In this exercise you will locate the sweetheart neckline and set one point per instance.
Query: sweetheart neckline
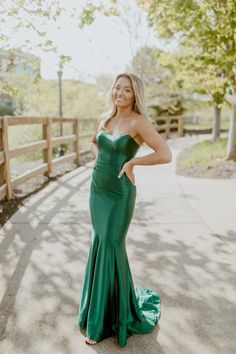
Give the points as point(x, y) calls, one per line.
point(119, 136)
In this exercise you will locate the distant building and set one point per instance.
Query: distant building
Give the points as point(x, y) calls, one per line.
point(15, 62)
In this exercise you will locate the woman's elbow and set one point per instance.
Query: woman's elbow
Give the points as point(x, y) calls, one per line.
point(167, 156)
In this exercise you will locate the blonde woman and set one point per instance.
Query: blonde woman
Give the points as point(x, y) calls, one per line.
point(110, 304)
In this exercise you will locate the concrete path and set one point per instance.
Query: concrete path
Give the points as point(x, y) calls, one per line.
point(181, 242)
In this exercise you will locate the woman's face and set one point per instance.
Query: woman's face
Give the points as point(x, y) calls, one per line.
point(123, 93)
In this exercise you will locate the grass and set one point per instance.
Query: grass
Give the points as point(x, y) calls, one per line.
point(204, 152)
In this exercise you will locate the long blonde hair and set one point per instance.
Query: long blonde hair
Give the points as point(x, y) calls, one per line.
point(139, 100)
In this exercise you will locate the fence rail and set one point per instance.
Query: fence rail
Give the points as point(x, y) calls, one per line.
point(46, 145)
point(163, 124)
point(167, 124)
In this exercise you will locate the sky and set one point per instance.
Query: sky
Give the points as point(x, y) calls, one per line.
point(106, 46)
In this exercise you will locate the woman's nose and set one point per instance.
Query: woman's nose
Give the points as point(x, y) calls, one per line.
point(120, 92)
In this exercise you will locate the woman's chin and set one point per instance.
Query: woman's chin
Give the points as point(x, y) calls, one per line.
point(122, 104)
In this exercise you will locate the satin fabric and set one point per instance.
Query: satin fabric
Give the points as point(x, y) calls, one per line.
point(110, 304)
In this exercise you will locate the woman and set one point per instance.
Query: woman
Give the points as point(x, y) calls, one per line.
point(110, 303)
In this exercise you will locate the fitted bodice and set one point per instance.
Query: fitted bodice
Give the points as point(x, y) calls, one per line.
point(115, 150)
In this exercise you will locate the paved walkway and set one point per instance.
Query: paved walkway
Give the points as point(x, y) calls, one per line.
point(181, 242)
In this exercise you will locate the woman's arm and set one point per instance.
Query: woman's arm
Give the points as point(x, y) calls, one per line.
point(93, 143)
point(162, 154)
point(94, 149)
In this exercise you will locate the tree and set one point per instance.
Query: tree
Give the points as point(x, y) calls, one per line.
point(190, 73)
point(23, 15)
point(162, 98)
point(210, 26)
point(42, 98)
point(145, 64)
point(132, 18)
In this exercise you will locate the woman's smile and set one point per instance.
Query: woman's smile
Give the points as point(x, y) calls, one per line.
point(119, 99)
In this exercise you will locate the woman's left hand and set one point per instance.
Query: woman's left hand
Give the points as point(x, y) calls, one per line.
point(128, 169)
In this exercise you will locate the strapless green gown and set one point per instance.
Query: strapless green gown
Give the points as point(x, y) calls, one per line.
point(110, 304)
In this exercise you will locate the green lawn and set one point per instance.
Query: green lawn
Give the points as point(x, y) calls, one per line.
point(203, 153)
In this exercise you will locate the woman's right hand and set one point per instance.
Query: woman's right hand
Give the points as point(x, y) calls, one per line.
point(128, 170)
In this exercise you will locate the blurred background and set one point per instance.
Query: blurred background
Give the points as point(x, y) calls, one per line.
point(58, 59)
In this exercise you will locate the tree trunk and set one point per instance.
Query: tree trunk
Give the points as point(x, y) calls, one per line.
point(231, 146)
point(216, 123)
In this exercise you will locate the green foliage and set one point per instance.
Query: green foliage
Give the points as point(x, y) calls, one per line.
point(64, 59)
point(146, 65)
point(87, 16)
point(16, 77)
point(79, 99)
point(194, 76)
point(208, 26)
point(13, 86)
point(206, 35)
point(161, 97)
point(25, 14)
point(6, 110)
point(7, 88)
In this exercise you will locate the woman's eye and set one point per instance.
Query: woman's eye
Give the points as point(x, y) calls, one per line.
point(118, 88)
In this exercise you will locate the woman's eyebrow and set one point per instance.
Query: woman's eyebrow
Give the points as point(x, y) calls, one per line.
point(124, 86)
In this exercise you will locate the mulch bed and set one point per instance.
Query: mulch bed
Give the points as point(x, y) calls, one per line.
point(218, 168)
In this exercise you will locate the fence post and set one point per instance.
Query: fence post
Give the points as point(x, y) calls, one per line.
point(7, 173)
point(181, 126)
point(167, 131)
point(2, 177)
point(47, 153)
point(76, 131)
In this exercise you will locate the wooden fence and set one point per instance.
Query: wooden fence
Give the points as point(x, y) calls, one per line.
point(168, 124)
point(48, 142)
point(46, 145)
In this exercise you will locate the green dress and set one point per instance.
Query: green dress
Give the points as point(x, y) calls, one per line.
point(110, 304)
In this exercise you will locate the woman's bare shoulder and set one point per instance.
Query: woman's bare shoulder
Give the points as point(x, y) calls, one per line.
point(138, 124)
point(141, 121)
point(135, 117)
